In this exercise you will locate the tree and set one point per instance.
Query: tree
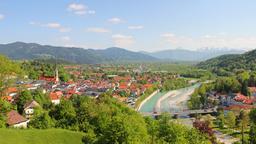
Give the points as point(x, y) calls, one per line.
point(152, 126)
point(243, 123)
point(41, 120)
point(90, 137)
point(2, 121)
point(5, 106)
point(24, 97)
point(64, 114)
point(230, 119)
point(41, 98)
point(252, 134)
point(245, 90)
point(8, 69)
point(221, 120)
point(252, 116)
point(204, 127)
point(194, 102)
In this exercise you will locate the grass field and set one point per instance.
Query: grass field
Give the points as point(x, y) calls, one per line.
point(33, 136)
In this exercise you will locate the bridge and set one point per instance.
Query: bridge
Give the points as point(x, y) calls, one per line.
point(182, 112)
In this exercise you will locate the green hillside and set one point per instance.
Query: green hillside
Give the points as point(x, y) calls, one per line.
point(27, 51)
point(225, 64)
point(33, 136)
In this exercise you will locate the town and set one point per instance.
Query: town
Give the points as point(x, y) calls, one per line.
point(44, 85)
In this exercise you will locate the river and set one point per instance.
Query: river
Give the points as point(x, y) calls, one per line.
point(172, 101)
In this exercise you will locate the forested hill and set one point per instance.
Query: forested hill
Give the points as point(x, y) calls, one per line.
point(231, 63)
point(20, 50)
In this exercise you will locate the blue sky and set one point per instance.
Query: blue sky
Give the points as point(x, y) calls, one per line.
point(137, 25)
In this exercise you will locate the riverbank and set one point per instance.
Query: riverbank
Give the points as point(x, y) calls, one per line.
point(146, 99)
point(167, 95)
point(163, 101)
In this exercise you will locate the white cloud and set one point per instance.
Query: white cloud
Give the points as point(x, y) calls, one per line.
point(80, 9)
point(115, 20)
point(98, 30)
point(137, 27)
point(1, 16)
point(122, 40)
point(52, 25)
point(211, 41)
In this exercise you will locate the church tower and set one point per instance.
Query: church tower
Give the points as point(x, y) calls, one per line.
point(56, 75)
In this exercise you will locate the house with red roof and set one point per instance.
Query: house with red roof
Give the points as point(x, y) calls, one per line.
point(14, 119)
point(8, 98)
point(240, 97)
point(55, 97)
point(11, 91)
point(248, 101)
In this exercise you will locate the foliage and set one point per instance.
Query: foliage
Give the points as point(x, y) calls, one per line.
point(203, 127)
point(24, 97)
point(230, 119)
point(41, 120)
point(172, 84)
point(227, 84)
point(221, 120)
point(64, 114)
point(227, 65)
point(41, 98)
point(199, 97)
point(37, 68)
point(243, 123)
point(252, 134)
point(252, 116)
point(8, 69)
point(171, 132)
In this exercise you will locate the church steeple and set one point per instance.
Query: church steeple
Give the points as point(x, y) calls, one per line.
point(56, 74)
point(56, 71)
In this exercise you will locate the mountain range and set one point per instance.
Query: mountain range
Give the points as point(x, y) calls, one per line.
point(192, 55)
point(22, 51)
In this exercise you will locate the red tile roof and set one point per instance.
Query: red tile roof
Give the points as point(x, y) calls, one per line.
point(240, 97)
point(56, 95)
point(233, 107)
point(11, 90)
point(248, 101)
point(48, 78)
point(7, 98)
point(14, 117)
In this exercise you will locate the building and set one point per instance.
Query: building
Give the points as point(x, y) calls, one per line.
point(29, 108)
point(14, 119)
point(55, 97)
